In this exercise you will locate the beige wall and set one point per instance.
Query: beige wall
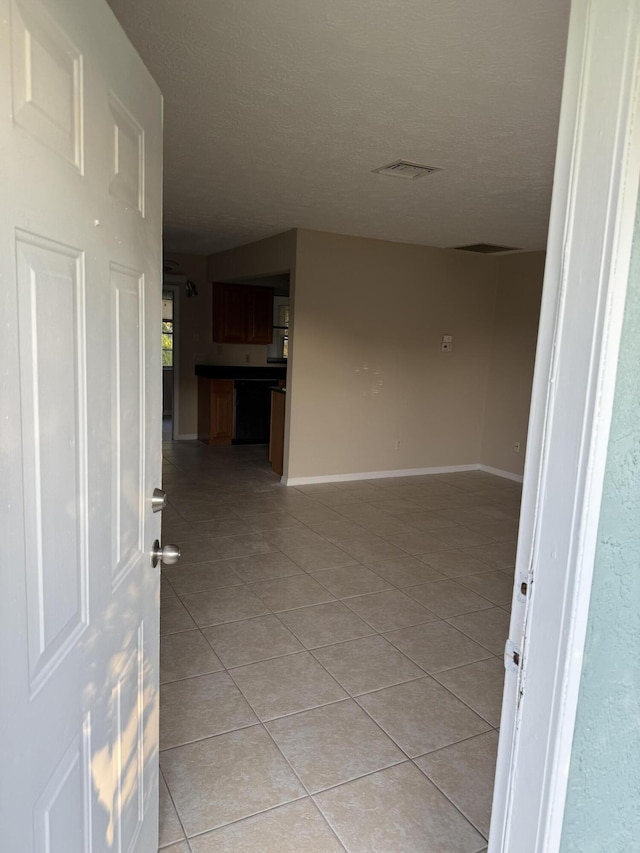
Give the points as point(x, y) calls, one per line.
point(266, 257)
point(192, 330)
point(367, 369)
point(515, 332)
point(195, 345)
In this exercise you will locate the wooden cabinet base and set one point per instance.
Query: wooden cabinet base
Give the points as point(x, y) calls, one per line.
point(215, 411)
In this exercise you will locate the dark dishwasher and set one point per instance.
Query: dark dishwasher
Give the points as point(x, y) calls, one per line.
point(253, 402)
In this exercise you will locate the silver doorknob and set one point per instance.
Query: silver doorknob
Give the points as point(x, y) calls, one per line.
point(158, 500)
point(168, 554)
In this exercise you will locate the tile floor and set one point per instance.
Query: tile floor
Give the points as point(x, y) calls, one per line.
point(331, 670)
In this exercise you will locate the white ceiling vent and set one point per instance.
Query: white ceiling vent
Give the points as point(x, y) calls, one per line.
point(406, 170)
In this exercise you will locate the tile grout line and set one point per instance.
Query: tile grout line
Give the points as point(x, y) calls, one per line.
point(343, 602)
point(160, 773)
point(376, 633)
point(444, 794)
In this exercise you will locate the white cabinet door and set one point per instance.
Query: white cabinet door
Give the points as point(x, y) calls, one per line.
point(80, 290)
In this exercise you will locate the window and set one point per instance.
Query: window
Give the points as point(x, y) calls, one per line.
point(167, 328)
point(279, 349)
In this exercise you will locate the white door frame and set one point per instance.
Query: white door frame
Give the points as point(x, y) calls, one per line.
point(590, 237)
point(177, 284)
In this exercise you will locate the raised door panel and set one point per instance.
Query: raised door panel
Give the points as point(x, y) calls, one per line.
point(62, 814)
point(46, 81)
point(128, 392)
point(229, 313)
point(51, 322)
point(127, 157)
point(259, 315)
point(130, 714)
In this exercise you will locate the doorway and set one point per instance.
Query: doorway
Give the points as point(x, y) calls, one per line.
point(170, 316)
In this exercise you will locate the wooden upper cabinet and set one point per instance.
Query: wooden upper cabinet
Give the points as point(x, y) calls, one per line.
point(229, 313)
point(260, 315)
point(242, 314)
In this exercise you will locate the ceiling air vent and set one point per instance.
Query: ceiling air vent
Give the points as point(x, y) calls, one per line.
point(406, 170)
point(485, 248)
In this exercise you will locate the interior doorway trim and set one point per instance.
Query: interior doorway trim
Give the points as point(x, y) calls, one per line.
point(175, 283)
point(590, 237)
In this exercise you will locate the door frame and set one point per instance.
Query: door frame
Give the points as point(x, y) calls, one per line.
point(590, 239)
point(177, 284)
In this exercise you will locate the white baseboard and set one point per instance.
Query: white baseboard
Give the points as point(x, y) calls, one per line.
point(402, 472)
point(187, 436)
point(375, 475)
point(517, 478)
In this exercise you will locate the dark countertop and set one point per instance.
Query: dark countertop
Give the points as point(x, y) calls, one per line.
point(248, 371)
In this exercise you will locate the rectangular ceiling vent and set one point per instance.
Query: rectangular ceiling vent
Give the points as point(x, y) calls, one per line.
point(485, 248)
point(406, 170)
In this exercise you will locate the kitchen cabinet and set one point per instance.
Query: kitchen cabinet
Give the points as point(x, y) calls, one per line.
point(242, 314)
point(252, 411)
point(215, 410)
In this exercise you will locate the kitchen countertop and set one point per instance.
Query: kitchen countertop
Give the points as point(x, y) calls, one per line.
point(244, 371)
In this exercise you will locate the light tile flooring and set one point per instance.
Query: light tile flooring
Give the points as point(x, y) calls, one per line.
point(330, 658)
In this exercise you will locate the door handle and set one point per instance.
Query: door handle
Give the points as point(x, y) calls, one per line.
point(167, 554)
point(158, 500)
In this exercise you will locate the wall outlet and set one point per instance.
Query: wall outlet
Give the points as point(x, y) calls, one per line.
point(397, 444)
point(446, 346)
point(516, 447)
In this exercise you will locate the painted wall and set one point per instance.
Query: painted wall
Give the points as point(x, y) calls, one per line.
point(192, 332)
point(195, 344)
point(514, 335)
point(367, 370)
point(265, 257)
point(261, 259)
point(603, 802)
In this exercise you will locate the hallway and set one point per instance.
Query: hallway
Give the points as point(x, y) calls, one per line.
point(331, 657)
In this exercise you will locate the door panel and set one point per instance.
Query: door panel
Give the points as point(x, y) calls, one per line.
point(127, 156)
point(128, 757)
point(80, 294)
point(127, 319)
point(46, 70)
point(50, 284)
point(62, 813)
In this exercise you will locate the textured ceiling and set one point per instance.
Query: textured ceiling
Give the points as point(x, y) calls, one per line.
point(276, 111)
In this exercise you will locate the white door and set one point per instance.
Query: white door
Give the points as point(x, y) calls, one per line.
point(80, 279)
point(590, 234)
